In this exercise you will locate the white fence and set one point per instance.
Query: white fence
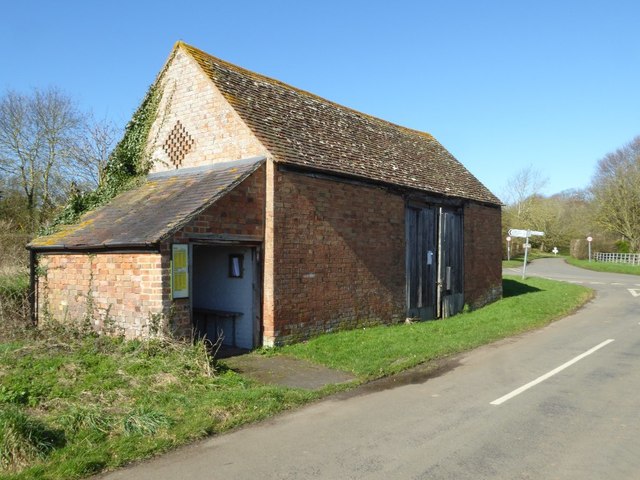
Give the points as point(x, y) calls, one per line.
point(629, 258)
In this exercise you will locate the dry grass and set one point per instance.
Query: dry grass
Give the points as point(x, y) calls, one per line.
point(15, 319)
point(14, 257)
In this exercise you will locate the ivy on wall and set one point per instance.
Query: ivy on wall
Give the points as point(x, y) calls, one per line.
point(128, 164)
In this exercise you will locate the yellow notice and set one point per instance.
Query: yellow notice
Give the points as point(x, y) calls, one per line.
point(180, 270)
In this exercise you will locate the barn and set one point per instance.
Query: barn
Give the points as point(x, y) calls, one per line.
point(270, 215)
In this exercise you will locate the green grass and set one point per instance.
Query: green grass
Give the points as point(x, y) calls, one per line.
point(375, 352)
point(514, 263)
point(604, 267)
point(73, 405)
point(23, 438)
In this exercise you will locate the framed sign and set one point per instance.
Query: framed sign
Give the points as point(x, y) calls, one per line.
point(236, 269)
point(180, 270)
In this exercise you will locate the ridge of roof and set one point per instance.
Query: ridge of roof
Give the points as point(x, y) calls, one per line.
point(195, 50)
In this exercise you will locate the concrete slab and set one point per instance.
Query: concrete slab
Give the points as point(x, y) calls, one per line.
point(286, 371)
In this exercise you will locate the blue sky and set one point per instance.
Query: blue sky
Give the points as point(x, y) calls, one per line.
point(503, 85)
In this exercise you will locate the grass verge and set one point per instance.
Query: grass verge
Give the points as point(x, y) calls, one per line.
point(375, 352)
point(74, 405)
point(604, 267)
point(515, 263)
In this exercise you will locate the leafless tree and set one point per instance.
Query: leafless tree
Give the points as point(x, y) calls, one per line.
point(616, 192)
point(521, 194)
point(37, 137)
point(48, 144)
point(93, 148)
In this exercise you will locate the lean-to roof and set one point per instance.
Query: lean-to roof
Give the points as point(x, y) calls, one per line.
point(145, 215)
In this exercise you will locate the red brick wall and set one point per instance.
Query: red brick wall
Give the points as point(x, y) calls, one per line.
point(239, 212)
point(483, 254)
point(338, 257)
point(123, 288)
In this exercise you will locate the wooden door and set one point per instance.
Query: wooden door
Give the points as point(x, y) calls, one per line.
point(421, 262)
point(451, 262)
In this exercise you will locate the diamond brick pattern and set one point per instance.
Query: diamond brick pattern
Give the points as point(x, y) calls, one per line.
point(178, 144)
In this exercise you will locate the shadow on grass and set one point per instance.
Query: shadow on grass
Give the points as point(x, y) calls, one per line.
point(513, 288)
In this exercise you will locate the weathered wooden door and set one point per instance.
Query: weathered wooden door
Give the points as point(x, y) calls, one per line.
point(421, 261)
point(450, 263)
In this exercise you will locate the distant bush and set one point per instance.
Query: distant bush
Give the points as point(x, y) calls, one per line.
point(622, 246)
point(580, 247)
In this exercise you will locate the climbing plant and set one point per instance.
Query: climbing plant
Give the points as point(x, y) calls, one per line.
point(128, 164)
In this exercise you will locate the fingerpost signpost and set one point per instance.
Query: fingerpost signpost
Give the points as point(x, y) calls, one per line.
point(514, 232)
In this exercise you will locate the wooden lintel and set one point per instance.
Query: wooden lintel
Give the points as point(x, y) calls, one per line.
point(421, 200)
point(224, 238)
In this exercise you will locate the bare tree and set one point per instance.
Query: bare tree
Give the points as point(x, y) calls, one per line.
point(46, 143)
point(36, 138)
point(93, 148)
point(616, 192)
point(521, 193)
point(524, 201)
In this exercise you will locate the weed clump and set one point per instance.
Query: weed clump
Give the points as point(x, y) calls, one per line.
point(145, 421)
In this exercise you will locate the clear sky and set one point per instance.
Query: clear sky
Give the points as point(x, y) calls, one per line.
point(501, 84)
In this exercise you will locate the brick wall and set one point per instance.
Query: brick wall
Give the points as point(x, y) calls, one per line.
point(214, 131)
point(338, 258)
point(483, 254)
point(122, 288)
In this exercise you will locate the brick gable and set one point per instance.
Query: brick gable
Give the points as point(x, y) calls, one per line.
point(195, 125)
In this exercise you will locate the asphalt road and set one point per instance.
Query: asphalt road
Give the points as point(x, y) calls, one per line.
point(559, 403)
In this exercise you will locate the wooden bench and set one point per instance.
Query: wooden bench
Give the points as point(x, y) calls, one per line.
point(203, 317)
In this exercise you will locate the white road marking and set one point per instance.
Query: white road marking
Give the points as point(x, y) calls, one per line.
point(634, 291)
point(617, 284)
point(596, 283)
point(550, 374)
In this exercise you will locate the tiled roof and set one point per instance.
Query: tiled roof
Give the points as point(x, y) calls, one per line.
point(303, 129)
point(145, 215)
